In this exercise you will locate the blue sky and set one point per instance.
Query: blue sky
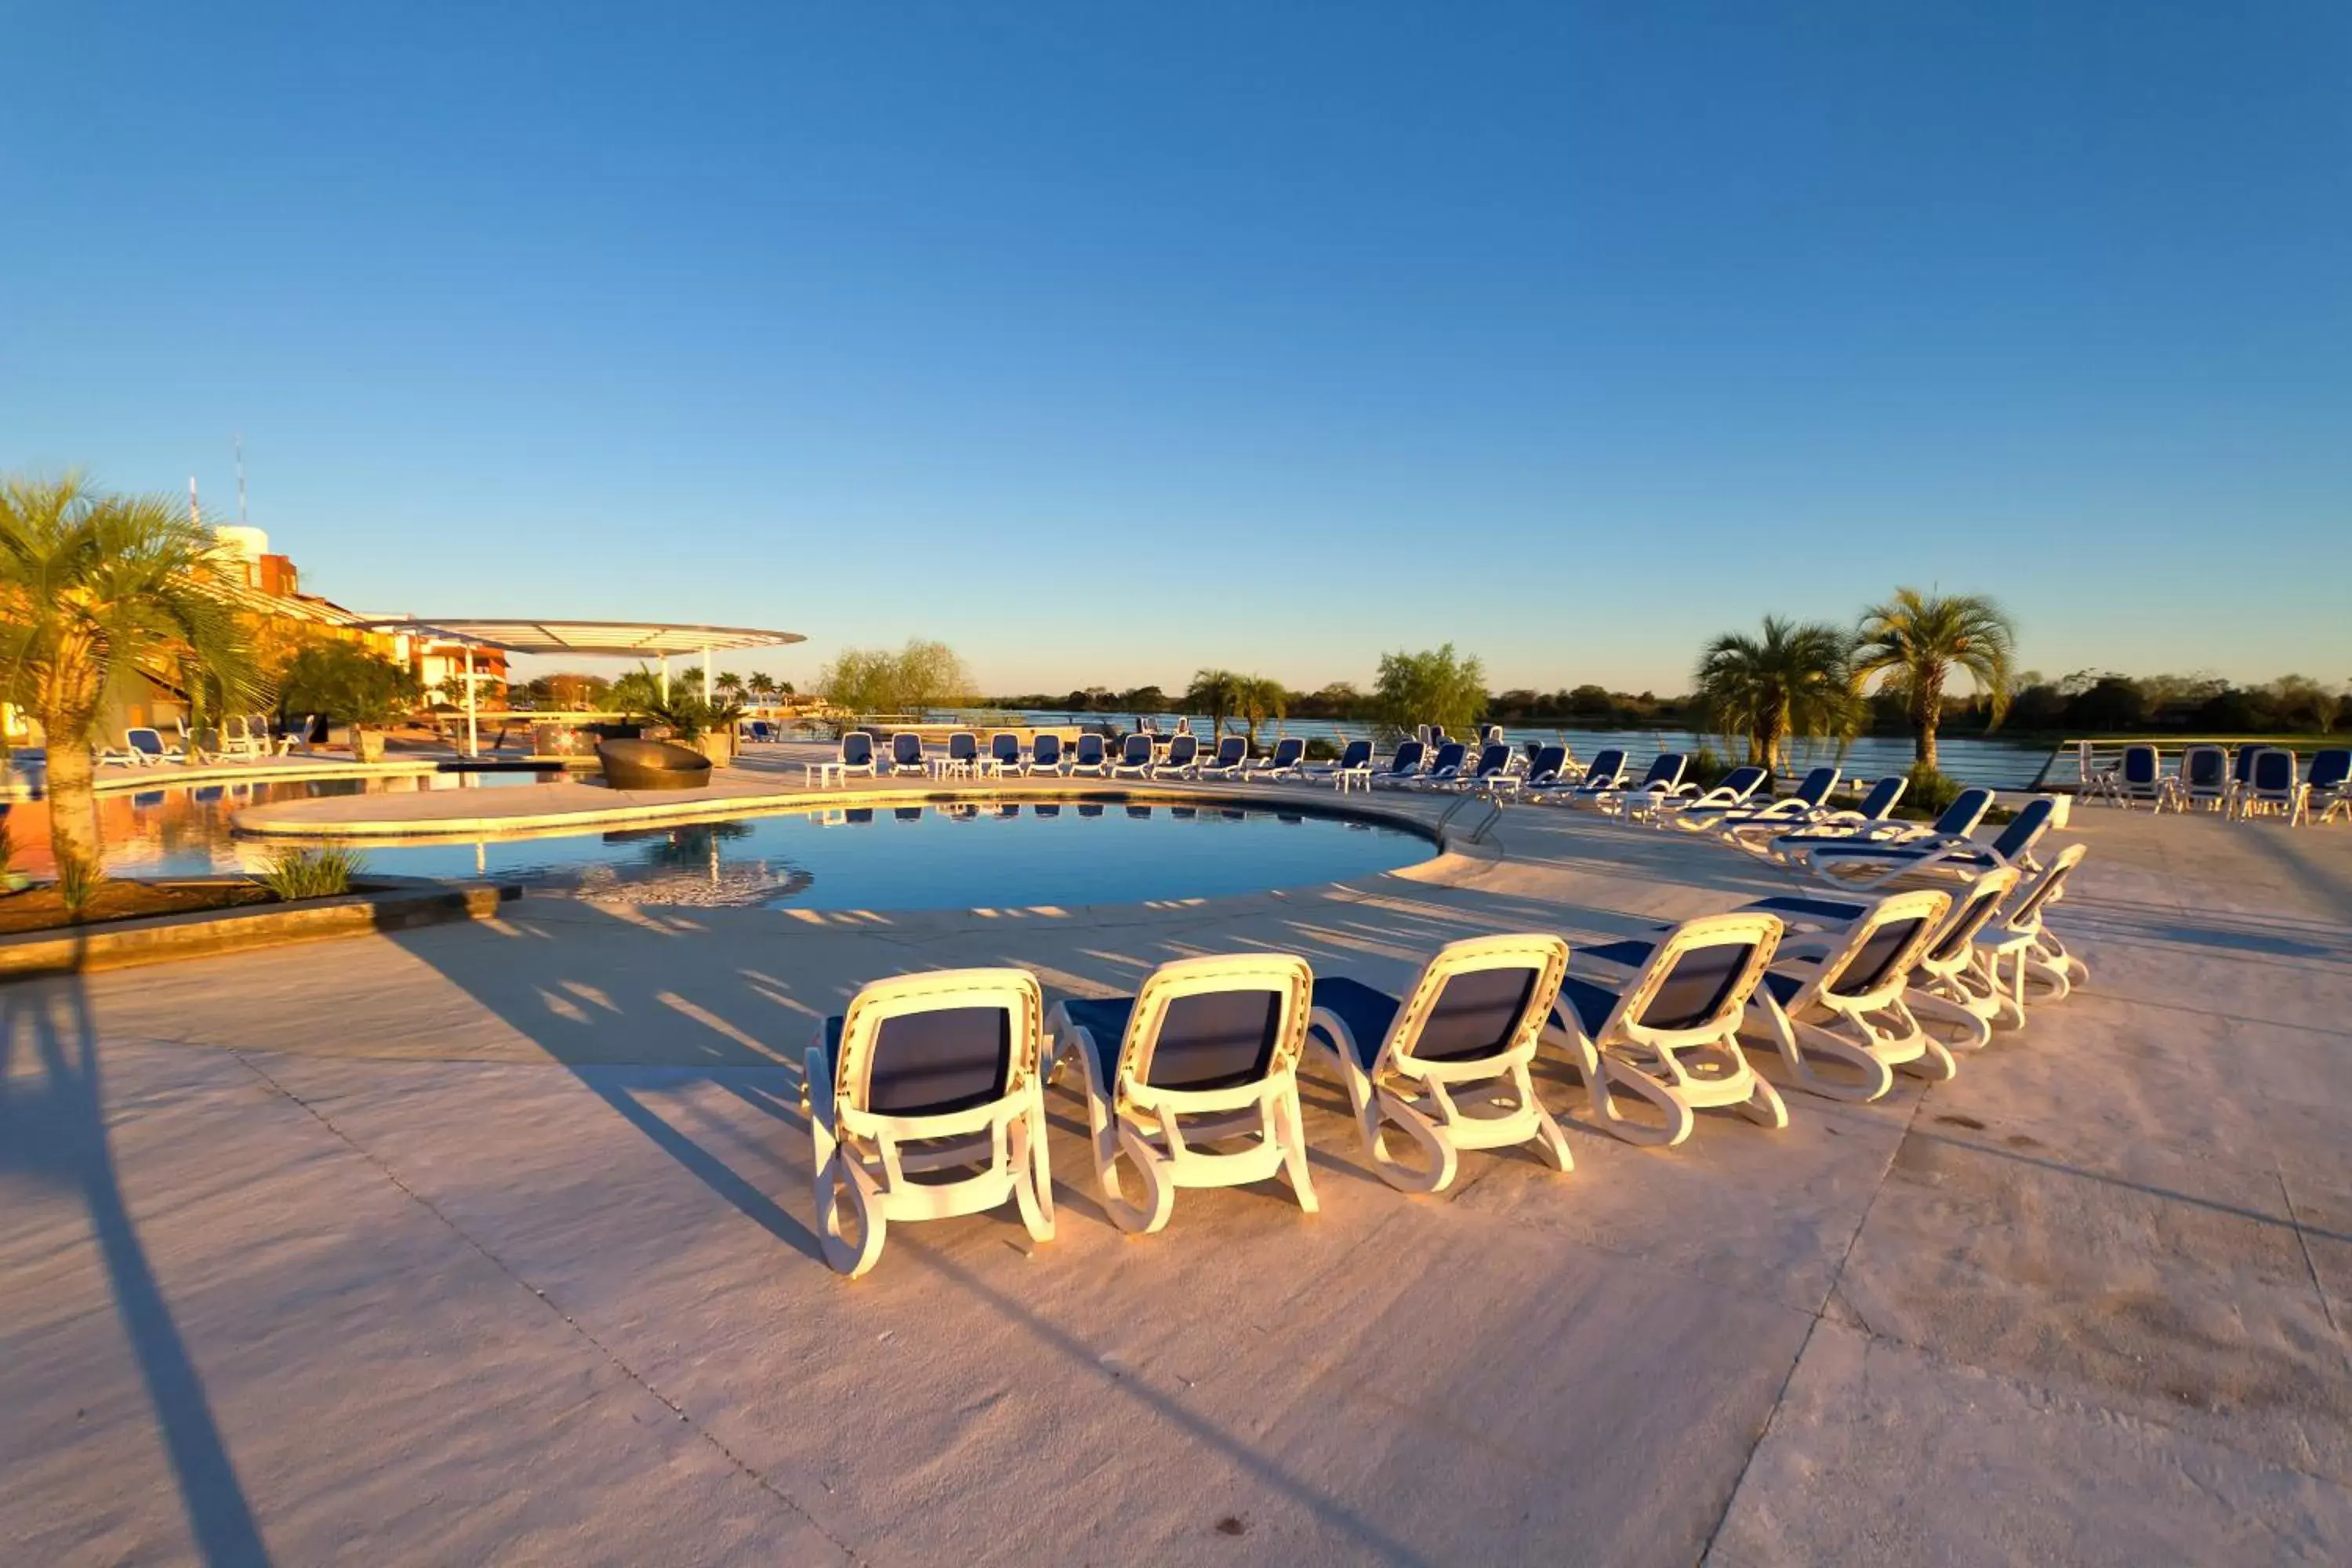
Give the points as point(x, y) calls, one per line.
point(1106, 341)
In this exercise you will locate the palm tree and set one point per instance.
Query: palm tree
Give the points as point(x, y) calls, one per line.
point(728, 681)
point(1790, 682)
point(1216, 693)
point(92, 587)
point(763, 685)
point(1260, 698)
point(1916, 641)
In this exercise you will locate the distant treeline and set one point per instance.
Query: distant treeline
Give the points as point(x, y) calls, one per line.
point(2087, 702)
point(1584, 707)
point(2103, 702)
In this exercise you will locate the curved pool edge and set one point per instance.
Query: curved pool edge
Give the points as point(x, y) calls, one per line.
point(1458, 854)
point(437, 815)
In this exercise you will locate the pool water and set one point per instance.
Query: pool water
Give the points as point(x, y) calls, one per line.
point(975, 855)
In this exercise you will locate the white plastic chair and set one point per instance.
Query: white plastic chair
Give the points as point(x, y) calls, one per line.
point(1447, 1062)
point(2021, 956)
point(1947, 983)
point(1670, 1035)
point(928, 1073)
point(1206, 1052)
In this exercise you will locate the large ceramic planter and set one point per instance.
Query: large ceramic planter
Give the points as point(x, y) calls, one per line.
point(367, 745)
point(717, 745)
point(652, 765)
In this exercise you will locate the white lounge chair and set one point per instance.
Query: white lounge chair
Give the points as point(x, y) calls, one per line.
point(1134, 758)
point(1842, 996)
point(907, 753)
point(1230, 761)
point(2242, 774)
point(1731, 793)
point(856, 756)
point(1752, 826)
point(1183, 760)
point(2328, 789)
point(964, 758)
point(1447, 1062)
point(1869, 822)
point(928, 1073)
point(1670, 1035)
point(1045, 755)
point(2274, 786)
point(1444, 769)
point(1404, 767)
point(1205, 1053)
point(1090, 758)
point(1287, 761)
point(1603, 775)
point(1547, 771)
point(1354, 767)
point(2203, 781)
point(1862, 865)
point(1005, 750)
point(2021, 956)
point(1495, 769)
point(1959, 820)
point(2139, 780)
point(1947, 984)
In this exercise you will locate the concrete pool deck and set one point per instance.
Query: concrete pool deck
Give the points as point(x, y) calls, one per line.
point(493, 1243)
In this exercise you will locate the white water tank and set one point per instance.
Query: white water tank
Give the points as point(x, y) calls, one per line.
point(249, 543)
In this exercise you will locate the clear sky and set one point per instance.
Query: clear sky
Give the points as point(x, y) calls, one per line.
point(1106, 341)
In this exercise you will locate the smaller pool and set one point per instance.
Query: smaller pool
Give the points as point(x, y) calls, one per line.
point(983, 855)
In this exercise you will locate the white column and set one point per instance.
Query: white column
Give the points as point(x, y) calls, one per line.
point(473, 731)
point(665, 677)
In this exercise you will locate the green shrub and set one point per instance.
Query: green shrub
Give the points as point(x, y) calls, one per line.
point(1319, 750)
point(1931, 791)
point(78, 884)
point(1705, 769)
point(320, 873)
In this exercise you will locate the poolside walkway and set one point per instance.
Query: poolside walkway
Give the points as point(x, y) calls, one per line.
point(493, 1243)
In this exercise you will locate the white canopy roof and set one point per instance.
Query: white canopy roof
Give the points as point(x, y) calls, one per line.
point(624, 639)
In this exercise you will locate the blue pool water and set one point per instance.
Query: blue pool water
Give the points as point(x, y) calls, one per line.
point(962, 856)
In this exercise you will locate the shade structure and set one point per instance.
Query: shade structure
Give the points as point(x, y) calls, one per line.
point(612, 639)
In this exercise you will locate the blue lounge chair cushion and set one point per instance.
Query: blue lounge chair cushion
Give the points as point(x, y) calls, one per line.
point(1692, 994)
point(1212, 1039)
point(1475, 1014)
point(1590, 1004)
point(1367, 1011)
point(1818, 908)
point(933, 1063)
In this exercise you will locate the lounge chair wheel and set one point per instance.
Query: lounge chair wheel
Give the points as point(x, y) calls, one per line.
point(849, 1257)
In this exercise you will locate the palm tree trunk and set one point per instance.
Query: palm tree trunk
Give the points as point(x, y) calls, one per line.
point(1925, 722)
point(73, 804)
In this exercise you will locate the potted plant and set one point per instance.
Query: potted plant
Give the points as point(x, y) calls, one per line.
point(690, 719)
point(348, 683)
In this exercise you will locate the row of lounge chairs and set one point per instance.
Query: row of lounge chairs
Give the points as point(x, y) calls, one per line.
point(241, 735)
point(1192, 1081)
point(2261, 781)
point(1139, 756)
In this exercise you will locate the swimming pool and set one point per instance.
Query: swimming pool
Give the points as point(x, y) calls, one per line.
point(983, 855)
